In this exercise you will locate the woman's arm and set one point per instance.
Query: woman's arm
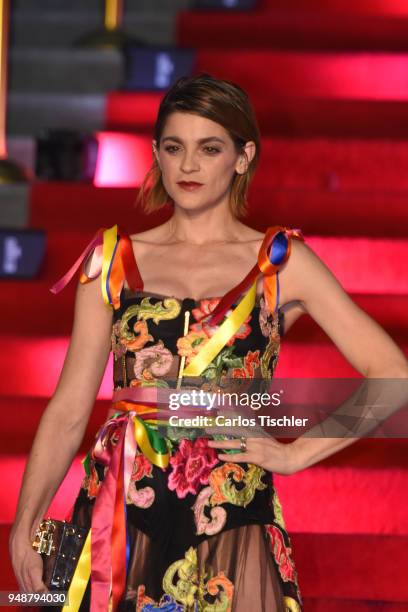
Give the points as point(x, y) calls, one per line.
point(307, 285)
point(62, 427)
point(364, 343)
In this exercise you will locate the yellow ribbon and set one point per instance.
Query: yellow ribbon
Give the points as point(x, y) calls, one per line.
point(230, 326)
point(80, 578)
point(109, 244)
point(142, 439)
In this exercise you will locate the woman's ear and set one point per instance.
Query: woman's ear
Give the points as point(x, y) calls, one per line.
point(245, 158)
point(155, 151)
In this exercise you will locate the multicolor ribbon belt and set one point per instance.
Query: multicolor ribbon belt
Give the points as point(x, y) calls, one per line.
point(133, 425)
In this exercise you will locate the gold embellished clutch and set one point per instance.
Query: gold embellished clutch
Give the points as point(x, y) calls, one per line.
point(60, 545)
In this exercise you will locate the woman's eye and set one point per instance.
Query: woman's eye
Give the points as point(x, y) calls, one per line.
point(212, 150)
point(175, 148)
point(171, 148)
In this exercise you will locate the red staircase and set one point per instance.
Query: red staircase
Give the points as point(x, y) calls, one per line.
point(329, 85)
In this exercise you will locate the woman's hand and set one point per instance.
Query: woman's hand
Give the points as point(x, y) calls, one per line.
point(266, 452)
point(27, 565)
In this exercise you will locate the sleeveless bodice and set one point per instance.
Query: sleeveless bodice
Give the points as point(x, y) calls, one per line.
point(148, 341)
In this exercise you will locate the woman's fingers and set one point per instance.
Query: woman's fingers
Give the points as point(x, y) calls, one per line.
point(28, 570)
point(36, 571)
point(267, 453)
point(237, 458)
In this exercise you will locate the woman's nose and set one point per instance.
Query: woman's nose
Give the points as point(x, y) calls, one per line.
point(189, 162)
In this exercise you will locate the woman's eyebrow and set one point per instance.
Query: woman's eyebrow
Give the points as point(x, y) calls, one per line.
point(200, 141)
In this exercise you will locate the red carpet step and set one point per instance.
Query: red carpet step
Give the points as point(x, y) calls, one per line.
point(347, 567)
point(137, 111)
point(20, 417)
point(316, 500)
point(323, 209)
point(287, 116)
point(43, 357)
point(375, 8)
point(31, 366)
point(349, 76)
point(335, 572)
point(351, 605)
point(289, 28)
point(52, 315)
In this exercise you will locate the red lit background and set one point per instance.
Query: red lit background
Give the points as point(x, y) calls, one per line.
point(329, 83)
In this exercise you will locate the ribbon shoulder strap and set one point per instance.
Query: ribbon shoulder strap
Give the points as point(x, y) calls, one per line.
point(274, 252)
point(114, 262)
point(118, 264)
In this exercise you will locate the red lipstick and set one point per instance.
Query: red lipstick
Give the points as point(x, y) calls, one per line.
point(189, 185)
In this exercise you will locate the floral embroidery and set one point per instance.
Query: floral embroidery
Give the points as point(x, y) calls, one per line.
point(291, 605)
point(189, 587)
point(270, 329)
point(91, 483)
point(277, 510)
point(221, 490)
point(270, 355)
point(118, 347)
point(141, 337)
point(264, 318)
point(182, 583)
point(191, 464)
point(142, 467)
point(218, 514)
point(223, 486)
point(190, 344)
point(163, 310)
point(251, 361)
point(147, 604)
point(221, 363)
point(144, 497)
point(205, 309)
point(123, 341)
point(132, 338)
point(152, 361)
point(281, 553)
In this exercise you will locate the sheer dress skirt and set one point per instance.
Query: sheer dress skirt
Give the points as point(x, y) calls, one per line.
point(187, 554)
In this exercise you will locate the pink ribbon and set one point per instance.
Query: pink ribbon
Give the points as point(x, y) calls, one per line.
point(103, 512)
point(62, 282)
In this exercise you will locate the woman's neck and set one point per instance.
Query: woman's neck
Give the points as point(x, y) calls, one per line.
point(211, 227)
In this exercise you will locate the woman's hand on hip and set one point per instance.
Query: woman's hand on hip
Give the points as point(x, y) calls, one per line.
point(266, 452)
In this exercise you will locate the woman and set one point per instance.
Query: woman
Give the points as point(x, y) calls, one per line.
point(198, 530)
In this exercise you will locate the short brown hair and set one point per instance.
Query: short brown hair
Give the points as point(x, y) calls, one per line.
point(221, 101)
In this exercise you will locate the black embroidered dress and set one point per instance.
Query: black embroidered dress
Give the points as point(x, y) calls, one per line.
point(203, 534)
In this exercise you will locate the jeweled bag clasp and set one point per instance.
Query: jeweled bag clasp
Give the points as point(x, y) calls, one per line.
point(43, 539)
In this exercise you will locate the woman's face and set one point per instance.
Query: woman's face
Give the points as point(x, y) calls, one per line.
point(198, 160)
